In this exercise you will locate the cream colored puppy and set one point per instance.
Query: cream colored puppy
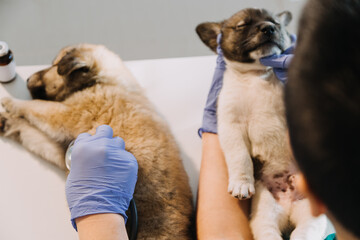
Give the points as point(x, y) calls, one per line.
point(252, 126)
point(87, 86)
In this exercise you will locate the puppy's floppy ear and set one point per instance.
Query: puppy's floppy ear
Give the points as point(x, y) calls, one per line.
point(70, 62)
point(284, 17)
point(208, 33)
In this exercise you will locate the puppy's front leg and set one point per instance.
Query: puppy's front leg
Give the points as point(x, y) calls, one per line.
point(238, 160)
point(48, 116)
point(32, 139)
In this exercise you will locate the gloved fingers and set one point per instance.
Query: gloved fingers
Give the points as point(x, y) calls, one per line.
point(289, 50)
point(288, 61)
point(268, 59)
point(218, 38)
point(218, 47)
point(293, 38)
point(281, 74)
point(220, 62)
point(275, 61)
point(103, 131)
point(81, 137)
point(118, 142)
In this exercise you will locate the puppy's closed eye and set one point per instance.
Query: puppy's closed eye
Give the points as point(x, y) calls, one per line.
point(242, 25)
point(81, 70)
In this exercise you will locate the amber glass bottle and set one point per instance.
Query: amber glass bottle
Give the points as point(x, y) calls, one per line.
point(7, 63)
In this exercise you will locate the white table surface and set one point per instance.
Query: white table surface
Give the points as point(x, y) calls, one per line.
point(32, 200)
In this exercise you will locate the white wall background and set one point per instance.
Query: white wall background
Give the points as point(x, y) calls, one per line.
point(135, 29)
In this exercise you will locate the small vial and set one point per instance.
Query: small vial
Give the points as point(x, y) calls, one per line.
point(7, 63)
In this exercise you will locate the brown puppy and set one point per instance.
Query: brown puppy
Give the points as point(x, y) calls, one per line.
point(87, 86)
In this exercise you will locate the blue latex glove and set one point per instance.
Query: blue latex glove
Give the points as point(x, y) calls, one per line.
point(209, 123)
point(280, 63)
point(102, 177)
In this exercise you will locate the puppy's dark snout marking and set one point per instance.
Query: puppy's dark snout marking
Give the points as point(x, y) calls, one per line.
point(268, 30)
point(2, 124)
point(38, 93)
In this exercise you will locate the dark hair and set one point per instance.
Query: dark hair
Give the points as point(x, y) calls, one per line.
point(323, 105)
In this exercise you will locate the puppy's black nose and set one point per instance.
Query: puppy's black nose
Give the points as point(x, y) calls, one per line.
point(268, 30)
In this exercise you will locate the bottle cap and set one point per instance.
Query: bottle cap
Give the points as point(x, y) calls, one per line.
point(4, 48)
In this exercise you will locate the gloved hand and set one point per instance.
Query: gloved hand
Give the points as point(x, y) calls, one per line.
point(280, 63)
point(102, 177)
point(209, 123)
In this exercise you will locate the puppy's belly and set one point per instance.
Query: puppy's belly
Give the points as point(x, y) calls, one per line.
point(282, 187)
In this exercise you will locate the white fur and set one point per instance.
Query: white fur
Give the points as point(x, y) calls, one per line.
point(260, 53)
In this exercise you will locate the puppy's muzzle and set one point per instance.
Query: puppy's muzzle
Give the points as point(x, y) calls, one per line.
point(267, 29)
point(36, 88)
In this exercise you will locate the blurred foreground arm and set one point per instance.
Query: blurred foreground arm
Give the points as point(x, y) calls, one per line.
point(105, 226)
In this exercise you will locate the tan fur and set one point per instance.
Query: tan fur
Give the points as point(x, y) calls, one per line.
point(162, 193)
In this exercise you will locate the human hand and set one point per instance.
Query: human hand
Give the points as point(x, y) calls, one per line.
point(209, 123)
point(280, 63)
point(102, 177)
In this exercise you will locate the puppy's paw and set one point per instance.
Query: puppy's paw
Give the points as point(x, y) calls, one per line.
point(4, 123)
point(9, 125)
point(9, 105)
point(242, 188)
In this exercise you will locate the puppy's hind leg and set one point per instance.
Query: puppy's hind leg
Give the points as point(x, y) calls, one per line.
point(32, 139)
point(307, 226)
point(267, 215)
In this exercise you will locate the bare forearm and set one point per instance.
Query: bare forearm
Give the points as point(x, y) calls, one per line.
point(106, 226)
point(219, 215)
